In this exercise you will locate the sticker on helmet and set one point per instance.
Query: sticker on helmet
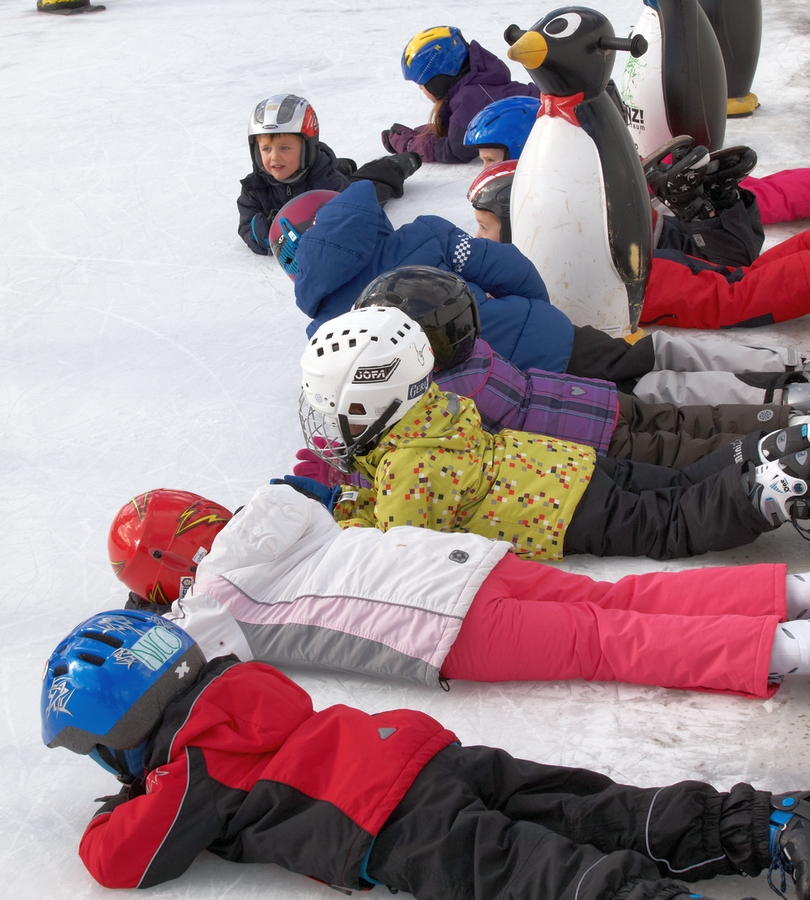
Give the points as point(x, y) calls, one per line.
point(375, 374)
point(418, 387)
point(156, 647)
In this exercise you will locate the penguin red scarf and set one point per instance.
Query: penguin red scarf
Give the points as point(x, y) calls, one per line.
point(551, 105)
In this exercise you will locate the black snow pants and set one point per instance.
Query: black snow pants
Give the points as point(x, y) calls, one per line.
point(636, 509)
point(478, 824)
point(676, 436)
point(733, 238)
point(388, 179)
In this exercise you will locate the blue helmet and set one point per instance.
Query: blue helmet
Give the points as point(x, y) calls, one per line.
point(107, 684)
point(505, 123)
point(436, 51)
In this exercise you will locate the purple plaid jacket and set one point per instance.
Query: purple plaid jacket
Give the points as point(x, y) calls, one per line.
point(583, 410)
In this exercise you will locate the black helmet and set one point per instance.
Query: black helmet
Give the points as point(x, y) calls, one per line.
point(492, 191)
point(441, 302)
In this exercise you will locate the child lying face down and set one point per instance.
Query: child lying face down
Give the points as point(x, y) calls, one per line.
point(283, 583)
point(368, 405)
point(348, 242)
point(232, 758)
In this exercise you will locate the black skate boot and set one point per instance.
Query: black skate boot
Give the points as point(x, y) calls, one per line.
point(725, 171)
point(345, 166)
point(790, 842)
point(679, 184)
point(407, 163)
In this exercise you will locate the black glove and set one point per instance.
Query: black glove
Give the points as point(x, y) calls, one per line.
point(127, 792)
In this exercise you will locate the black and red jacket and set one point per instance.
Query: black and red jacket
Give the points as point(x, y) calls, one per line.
point(244, 767)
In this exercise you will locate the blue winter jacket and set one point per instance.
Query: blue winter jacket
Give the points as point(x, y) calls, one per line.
point(352, 242)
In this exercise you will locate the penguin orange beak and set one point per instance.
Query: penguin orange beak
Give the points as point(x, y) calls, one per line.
point(530, 50)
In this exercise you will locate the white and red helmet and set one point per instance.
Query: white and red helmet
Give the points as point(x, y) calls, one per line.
point(492, 191)
point(285, 114)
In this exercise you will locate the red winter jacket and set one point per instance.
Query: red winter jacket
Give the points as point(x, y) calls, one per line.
point(243, 766)
point(684, 292)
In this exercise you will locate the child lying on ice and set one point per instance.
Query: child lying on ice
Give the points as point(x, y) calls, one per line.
point(231, 757)
point(351, 241)
point(283, 583)
point(368, 404)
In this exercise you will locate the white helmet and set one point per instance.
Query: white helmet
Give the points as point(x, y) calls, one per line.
point(366, 368)
point(285, 114)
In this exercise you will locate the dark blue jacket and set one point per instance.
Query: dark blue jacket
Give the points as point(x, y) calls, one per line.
point(352, 242)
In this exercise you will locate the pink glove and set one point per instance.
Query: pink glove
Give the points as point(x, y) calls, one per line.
point(312, 466)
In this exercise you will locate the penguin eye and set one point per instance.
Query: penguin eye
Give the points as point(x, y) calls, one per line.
point(563, 26)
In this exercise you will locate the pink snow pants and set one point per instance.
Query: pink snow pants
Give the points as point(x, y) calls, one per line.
point(703, 629)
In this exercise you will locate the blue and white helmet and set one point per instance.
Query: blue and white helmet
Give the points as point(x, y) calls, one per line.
point(107, 684)
point(505, 123)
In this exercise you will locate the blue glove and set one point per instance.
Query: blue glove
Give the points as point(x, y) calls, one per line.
point(260, 229)
point(311, 488)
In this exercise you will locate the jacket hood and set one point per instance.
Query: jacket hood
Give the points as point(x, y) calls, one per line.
point(278, 527)
point(339, 245)
point(446, 411)
point(276, 714)
point(485, 67)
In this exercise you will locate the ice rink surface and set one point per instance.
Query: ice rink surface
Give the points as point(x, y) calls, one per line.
point(142, 345)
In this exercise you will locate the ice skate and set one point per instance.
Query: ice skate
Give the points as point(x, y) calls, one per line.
point(779, 485)
point(407, 162)
point(797, 397)
point(790, 842)
point(724, 172)
point(789, 440)
point(679, 184)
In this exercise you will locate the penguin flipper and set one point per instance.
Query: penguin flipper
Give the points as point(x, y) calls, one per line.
point(629, 216)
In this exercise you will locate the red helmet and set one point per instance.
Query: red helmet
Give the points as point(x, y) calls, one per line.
point(291, 222)
point(158, 539)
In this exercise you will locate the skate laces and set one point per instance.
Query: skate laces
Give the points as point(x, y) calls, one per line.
point(800, 510)
point(779, 859)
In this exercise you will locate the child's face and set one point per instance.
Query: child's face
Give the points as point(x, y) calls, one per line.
point(489, 225)
point(281, 154)
point(491, 155)
point(427, 93)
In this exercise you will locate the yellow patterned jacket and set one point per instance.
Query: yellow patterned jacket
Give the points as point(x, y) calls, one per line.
point(437, 468)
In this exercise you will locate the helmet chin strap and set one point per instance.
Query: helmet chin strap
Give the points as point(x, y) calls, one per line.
point(368, 439)
point(124, 764)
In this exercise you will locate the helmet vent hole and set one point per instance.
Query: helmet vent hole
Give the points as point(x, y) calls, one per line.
point(319, 351)
point(92, 659)
point(335, 347)
point(108, 639)
point(352, 342)
point(60, 670)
